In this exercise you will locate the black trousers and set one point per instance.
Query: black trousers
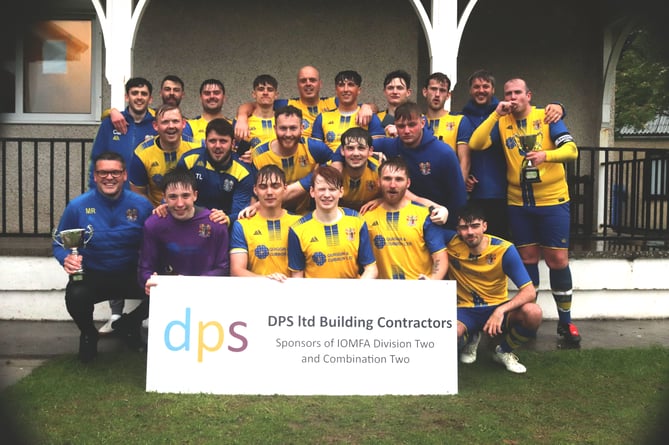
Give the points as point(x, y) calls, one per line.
point(81, 296)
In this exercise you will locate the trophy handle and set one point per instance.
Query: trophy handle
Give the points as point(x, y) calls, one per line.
point(55, 235)
point(537, 144)
point(89, 232)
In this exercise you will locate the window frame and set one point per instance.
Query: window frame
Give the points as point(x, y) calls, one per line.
point(21, 117)
point(656, 177)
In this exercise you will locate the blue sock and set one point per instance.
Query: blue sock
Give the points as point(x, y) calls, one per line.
point(561, 287)
point(516, 337)
point(533, 270)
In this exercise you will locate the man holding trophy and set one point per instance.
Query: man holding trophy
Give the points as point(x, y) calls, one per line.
point(537, 192)
point(97, 243)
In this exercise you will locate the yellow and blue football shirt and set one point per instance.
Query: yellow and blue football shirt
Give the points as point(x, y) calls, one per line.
point(403, 241)
point(150, 163)
point(339, 250)
point(298, 166)
point(358, 191)
point(330, 125)
point(482, 280)
point(195, 131)
point(265, 241)
point(555, 140)
point(446, 129)
point(309, 113)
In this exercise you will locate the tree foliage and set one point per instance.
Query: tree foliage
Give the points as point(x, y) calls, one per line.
point(642, 78)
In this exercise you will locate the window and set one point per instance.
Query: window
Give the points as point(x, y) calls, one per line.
point(55, 74)
point(657, 183)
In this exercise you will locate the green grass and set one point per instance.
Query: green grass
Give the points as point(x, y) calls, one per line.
point(567, 397)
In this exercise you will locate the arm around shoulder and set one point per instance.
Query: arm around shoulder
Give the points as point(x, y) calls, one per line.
point(480, 139)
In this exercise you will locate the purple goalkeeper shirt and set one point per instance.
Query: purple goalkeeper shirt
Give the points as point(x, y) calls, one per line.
point(194, 247)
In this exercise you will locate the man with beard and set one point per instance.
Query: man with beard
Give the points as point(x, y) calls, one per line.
point(406, 244)
point(538, 203)
point(155, 157)
point(212, 97)
point(330, 125)
point(331, 241)
point(295, 155)
point(224, 182)
point(360, 171)
point(481, 265)
point(486, 182)
point(436, 177)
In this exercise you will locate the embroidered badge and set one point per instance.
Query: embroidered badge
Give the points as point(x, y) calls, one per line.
point(204, 231)
point(131, 214)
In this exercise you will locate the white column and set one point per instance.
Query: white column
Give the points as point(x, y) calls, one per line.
point(443, 32)
point(614, 38)
point(119, 25)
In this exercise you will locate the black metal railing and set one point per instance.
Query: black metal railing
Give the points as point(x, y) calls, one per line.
point(632, 205)
point(40, 176)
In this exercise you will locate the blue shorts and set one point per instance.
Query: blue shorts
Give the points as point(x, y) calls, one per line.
point(474, 318)
point(547, 226)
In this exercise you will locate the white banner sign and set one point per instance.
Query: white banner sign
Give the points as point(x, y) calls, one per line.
point(226, 335)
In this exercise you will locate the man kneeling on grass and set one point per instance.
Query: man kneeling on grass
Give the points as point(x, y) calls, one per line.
point(481, 265)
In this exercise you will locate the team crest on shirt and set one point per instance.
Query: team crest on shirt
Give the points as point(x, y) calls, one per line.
point(536, 125)
point(228, 185)
point(204, 231)
point(425, 168)
point(319, 258)
point(302, 160)
point(131, 215)
point(371, 186)
point(305, 124)
point(350, 234)
point(116, 135)
point(450, 126)
point(490, 259)
point(261, 252)
point(411, 220)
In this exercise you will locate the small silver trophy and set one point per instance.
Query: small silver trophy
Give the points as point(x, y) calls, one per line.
point(528, 143)
point(74, 239)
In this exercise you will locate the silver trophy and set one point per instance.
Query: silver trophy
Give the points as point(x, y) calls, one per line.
point(528, 143)
point(74, 239)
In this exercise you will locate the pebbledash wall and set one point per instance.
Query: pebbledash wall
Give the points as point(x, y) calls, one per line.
point(32, 288)
point(236, 41)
